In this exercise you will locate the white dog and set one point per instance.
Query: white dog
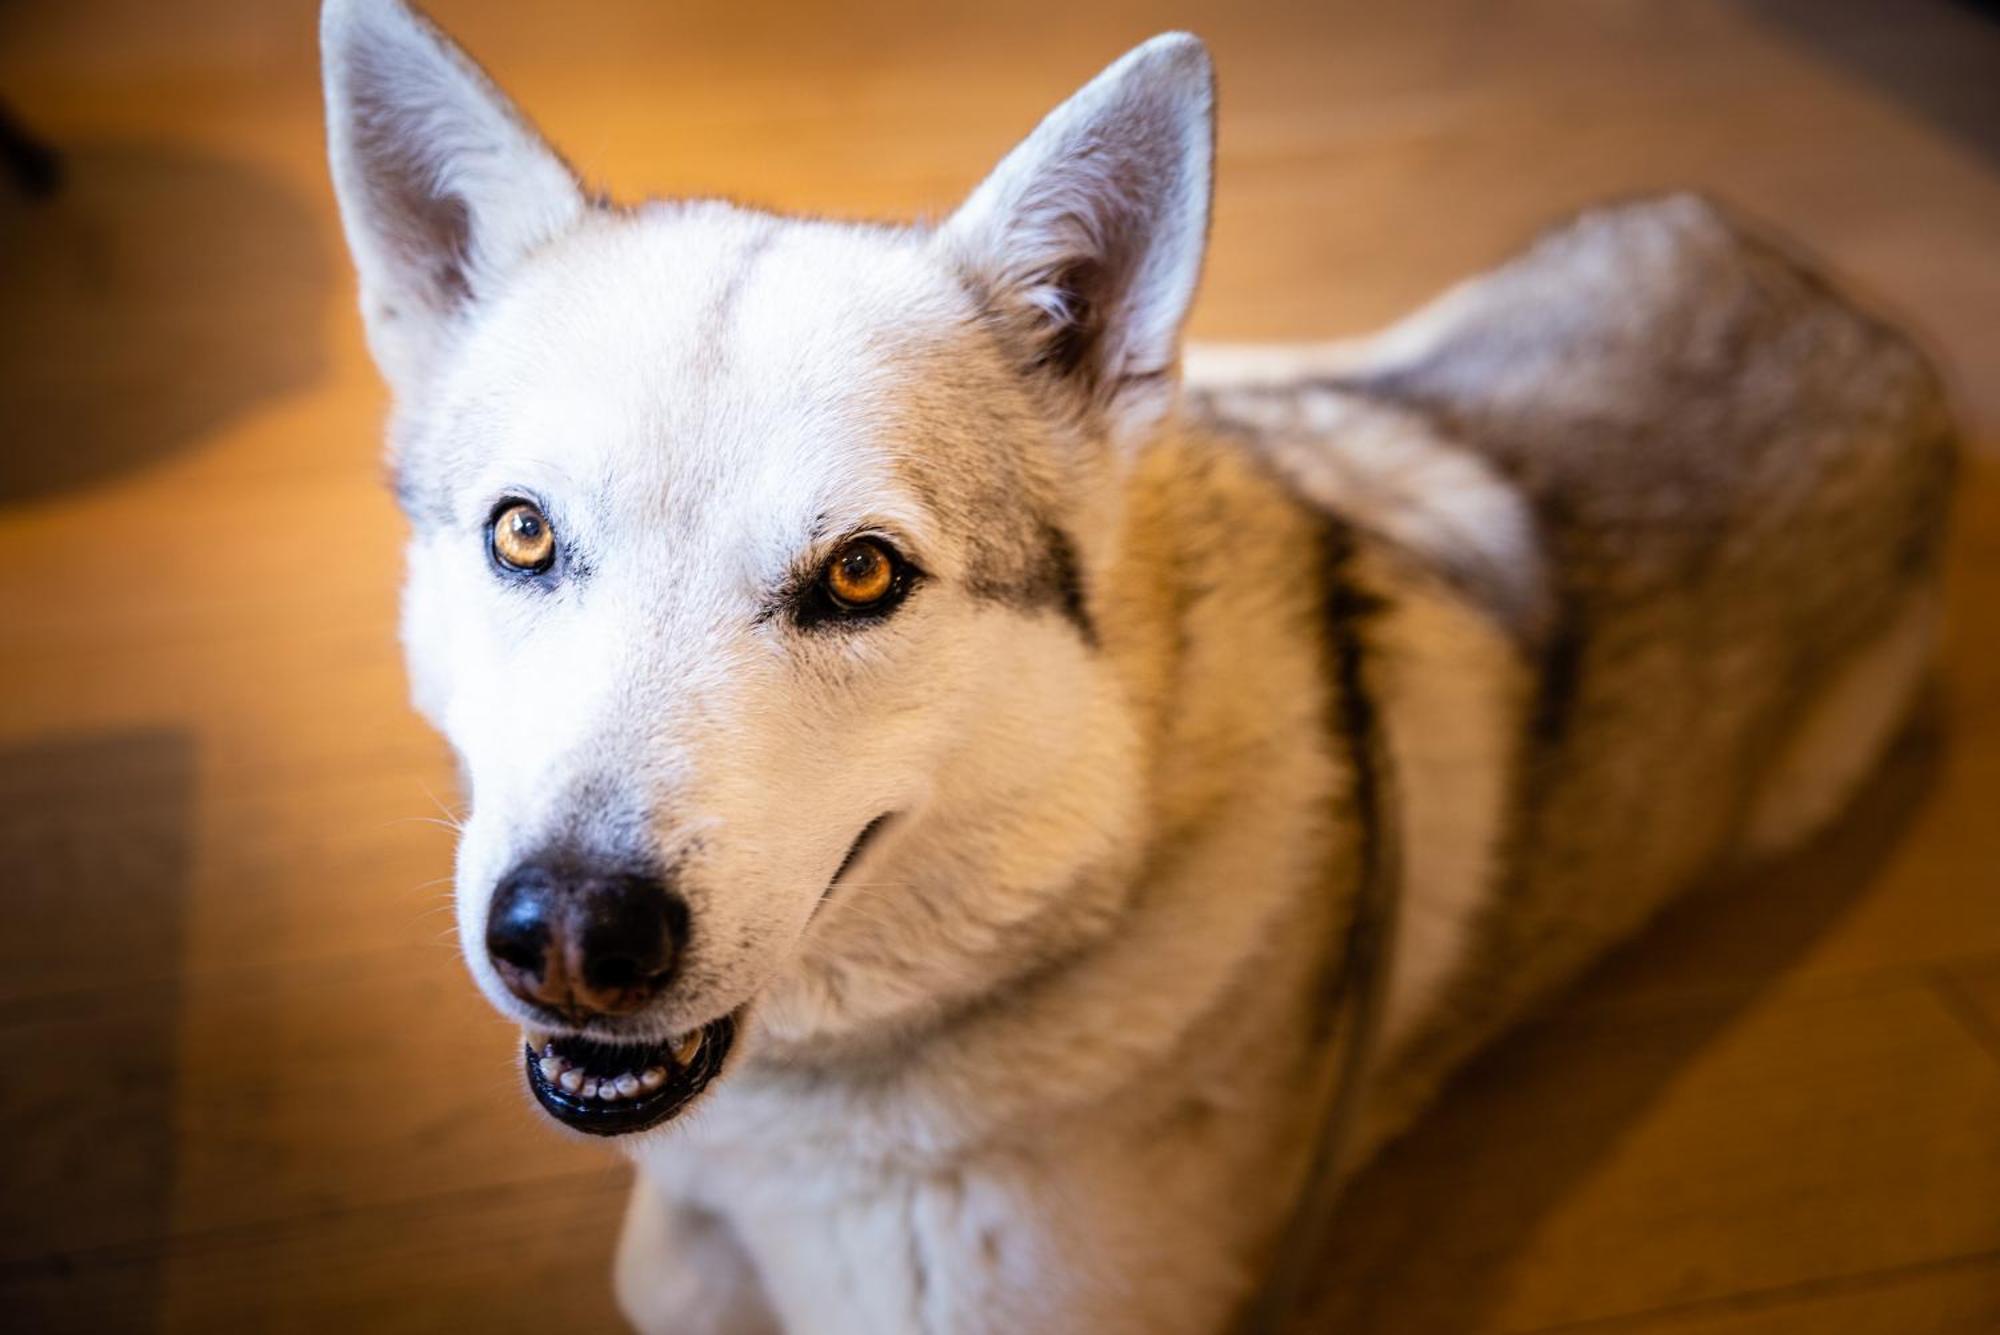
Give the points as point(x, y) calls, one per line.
point(967, 779)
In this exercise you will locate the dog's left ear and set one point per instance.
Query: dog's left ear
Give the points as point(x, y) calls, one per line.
point(444, 186)
point(1086, 242)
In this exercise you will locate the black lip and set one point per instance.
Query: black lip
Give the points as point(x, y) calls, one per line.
point(627, 1116)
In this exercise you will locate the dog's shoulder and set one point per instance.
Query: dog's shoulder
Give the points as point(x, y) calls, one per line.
point(1412, 492)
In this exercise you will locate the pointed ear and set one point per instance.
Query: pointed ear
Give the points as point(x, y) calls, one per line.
point(1086, 242)
point(443, 184)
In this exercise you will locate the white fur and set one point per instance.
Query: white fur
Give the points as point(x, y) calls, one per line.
point(680, 1270)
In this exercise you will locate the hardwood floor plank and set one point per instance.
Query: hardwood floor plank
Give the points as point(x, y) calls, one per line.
point(530, 1259)
point(1971, 991)
point(272, 1093)
point(1958, 1296)
point(1605, 1168)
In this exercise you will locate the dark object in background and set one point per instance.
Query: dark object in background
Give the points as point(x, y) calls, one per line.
point(33, 166)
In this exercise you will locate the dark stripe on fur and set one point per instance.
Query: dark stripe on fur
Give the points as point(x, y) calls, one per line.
point(1357, 981)
point(1052, 580)
point(1355, 724)
point(1063, 581)
point(1559, 641)
point(1561, 680)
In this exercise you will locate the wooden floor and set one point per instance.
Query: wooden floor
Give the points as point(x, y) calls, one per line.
point(249, 1086)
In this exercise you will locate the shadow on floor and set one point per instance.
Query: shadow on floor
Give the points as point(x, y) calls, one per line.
point(1428, 1236)
point(1939, 58)
point(97, 836)
point(156, 296)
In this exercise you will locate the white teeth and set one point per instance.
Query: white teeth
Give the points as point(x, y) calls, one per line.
point(557, 1070)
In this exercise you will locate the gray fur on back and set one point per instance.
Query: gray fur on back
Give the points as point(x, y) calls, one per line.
point(1735, 478)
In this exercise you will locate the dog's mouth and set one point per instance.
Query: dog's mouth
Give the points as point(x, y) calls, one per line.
point(615, 1089)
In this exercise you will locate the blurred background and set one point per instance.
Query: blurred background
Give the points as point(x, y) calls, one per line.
point(248, 1084)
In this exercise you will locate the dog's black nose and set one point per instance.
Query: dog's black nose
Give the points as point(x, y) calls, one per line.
point(584, 941)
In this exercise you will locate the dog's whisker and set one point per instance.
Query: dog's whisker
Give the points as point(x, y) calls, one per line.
point(453, 826)
point(456, 821)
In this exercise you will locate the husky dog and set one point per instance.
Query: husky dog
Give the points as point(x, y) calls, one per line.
point(934, 772)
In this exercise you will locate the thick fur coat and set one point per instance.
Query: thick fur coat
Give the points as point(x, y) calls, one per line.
point(1024, 899)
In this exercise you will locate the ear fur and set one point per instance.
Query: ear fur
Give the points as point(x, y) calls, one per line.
point(1086, 241)
point(443, 185)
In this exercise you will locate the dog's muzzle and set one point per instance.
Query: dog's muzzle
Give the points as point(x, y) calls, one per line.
point(551, 936)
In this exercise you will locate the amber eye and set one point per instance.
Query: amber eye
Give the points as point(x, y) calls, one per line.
point(522, 537)
point(861, 574)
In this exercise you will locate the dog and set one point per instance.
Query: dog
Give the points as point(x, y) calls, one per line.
point(998, 817)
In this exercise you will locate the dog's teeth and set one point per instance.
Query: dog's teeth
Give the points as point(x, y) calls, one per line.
point(560, 1072)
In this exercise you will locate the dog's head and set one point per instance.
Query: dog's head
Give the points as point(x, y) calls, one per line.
point(751, 573)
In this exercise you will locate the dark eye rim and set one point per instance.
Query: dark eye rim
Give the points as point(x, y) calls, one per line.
point(507, 569)
point(816, 604)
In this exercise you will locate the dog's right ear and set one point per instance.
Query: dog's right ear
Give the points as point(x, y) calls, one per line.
point(443, 185)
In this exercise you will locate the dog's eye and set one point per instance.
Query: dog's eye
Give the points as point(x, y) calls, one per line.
point(522, 538)
point(861, 575)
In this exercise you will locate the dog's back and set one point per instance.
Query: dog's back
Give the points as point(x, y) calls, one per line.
point(1734, 485)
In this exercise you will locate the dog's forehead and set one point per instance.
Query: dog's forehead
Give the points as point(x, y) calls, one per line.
point(700, 346)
